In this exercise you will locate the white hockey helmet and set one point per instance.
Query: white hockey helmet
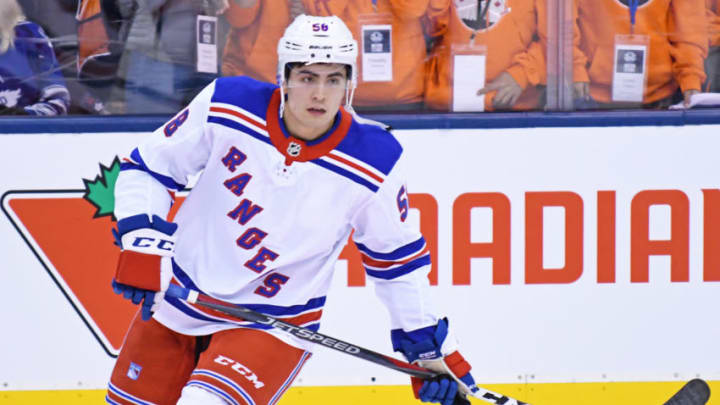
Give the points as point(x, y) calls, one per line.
point(313, 39)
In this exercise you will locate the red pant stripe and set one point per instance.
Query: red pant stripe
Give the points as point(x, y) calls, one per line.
point(290, 379)
point(123, 398)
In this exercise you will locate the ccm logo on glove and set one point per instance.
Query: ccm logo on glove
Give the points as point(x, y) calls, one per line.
point(149, 241)
point(162, 244)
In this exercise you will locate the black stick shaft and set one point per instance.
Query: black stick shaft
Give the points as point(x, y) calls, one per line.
point(247, 314)
point(304, 334)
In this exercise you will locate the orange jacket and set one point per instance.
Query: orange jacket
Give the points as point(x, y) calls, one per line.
point(713, 16)
point(252, 43)
point(515, 44)
point(678, 44)
point(251, 48)
point(93, 39)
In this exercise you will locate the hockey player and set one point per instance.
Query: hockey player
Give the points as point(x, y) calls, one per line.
point(287, 173)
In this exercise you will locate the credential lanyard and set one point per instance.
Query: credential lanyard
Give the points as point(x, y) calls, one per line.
point(374, 4)
point(633, 6)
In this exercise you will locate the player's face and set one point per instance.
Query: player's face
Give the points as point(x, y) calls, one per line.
point(314, 95)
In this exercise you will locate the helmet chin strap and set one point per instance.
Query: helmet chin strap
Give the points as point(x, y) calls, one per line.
point(282, 101)
point(349, 94)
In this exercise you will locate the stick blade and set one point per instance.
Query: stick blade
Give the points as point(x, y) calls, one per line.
point(694, 392)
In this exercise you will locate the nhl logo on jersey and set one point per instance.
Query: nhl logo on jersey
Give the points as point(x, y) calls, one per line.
point(294, 149)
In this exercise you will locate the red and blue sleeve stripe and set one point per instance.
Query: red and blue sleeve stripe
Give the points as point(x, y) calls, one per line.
point(136, 162)
point(401, 261)
point(397, 254)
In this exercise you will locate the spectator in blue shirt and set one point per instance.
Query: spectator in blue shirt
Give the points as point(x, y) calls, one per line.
point(30, 79)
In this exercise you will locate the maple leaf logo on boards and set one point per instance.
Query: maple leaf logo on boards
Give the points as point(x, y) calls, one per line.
point(101, 191)
point(75, 246)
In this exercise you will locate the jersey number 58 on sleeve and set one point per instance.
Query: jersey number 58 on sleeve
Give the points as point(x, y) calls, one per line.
point(173, 125)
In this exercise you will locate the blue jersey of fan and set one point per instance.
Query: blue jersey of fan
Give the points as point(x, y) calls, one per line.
point(269, 214)
point(30, 78)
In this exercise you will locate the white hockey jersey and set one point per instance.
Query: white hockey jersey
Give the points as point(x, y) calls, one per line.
point(269, 214)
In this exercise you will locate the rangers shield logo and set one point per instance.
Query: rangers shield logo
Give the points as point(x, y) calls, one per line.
point(134, 371)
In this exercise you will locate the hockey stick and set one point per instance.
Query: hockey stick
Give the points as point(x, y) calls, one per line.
point(694, 392)
point(194, 297)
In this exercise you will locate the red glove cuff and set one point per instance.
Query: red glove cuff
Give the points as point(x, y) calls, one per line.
point(457, 364)
point(139, 270)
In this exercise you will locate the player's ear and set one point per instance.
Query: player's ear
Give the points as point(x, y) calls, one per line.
point(285, 89)
point(288, 73)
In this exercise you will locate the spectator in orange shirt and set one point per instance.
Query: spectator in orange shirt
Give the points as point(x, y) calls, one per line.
point(712, 63)
point(396, 78)
point(512, 32)
point(669, 69)
point(255, 28)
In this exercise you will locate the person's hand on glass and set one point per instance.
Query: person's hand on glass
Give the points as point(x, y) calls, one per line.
point(508, 90)
point(687, 96)
point(581, 90)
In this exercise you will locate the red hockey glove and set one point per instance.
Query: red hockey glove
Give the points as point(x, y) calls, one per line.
point(433, 349)
point(144, 268)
